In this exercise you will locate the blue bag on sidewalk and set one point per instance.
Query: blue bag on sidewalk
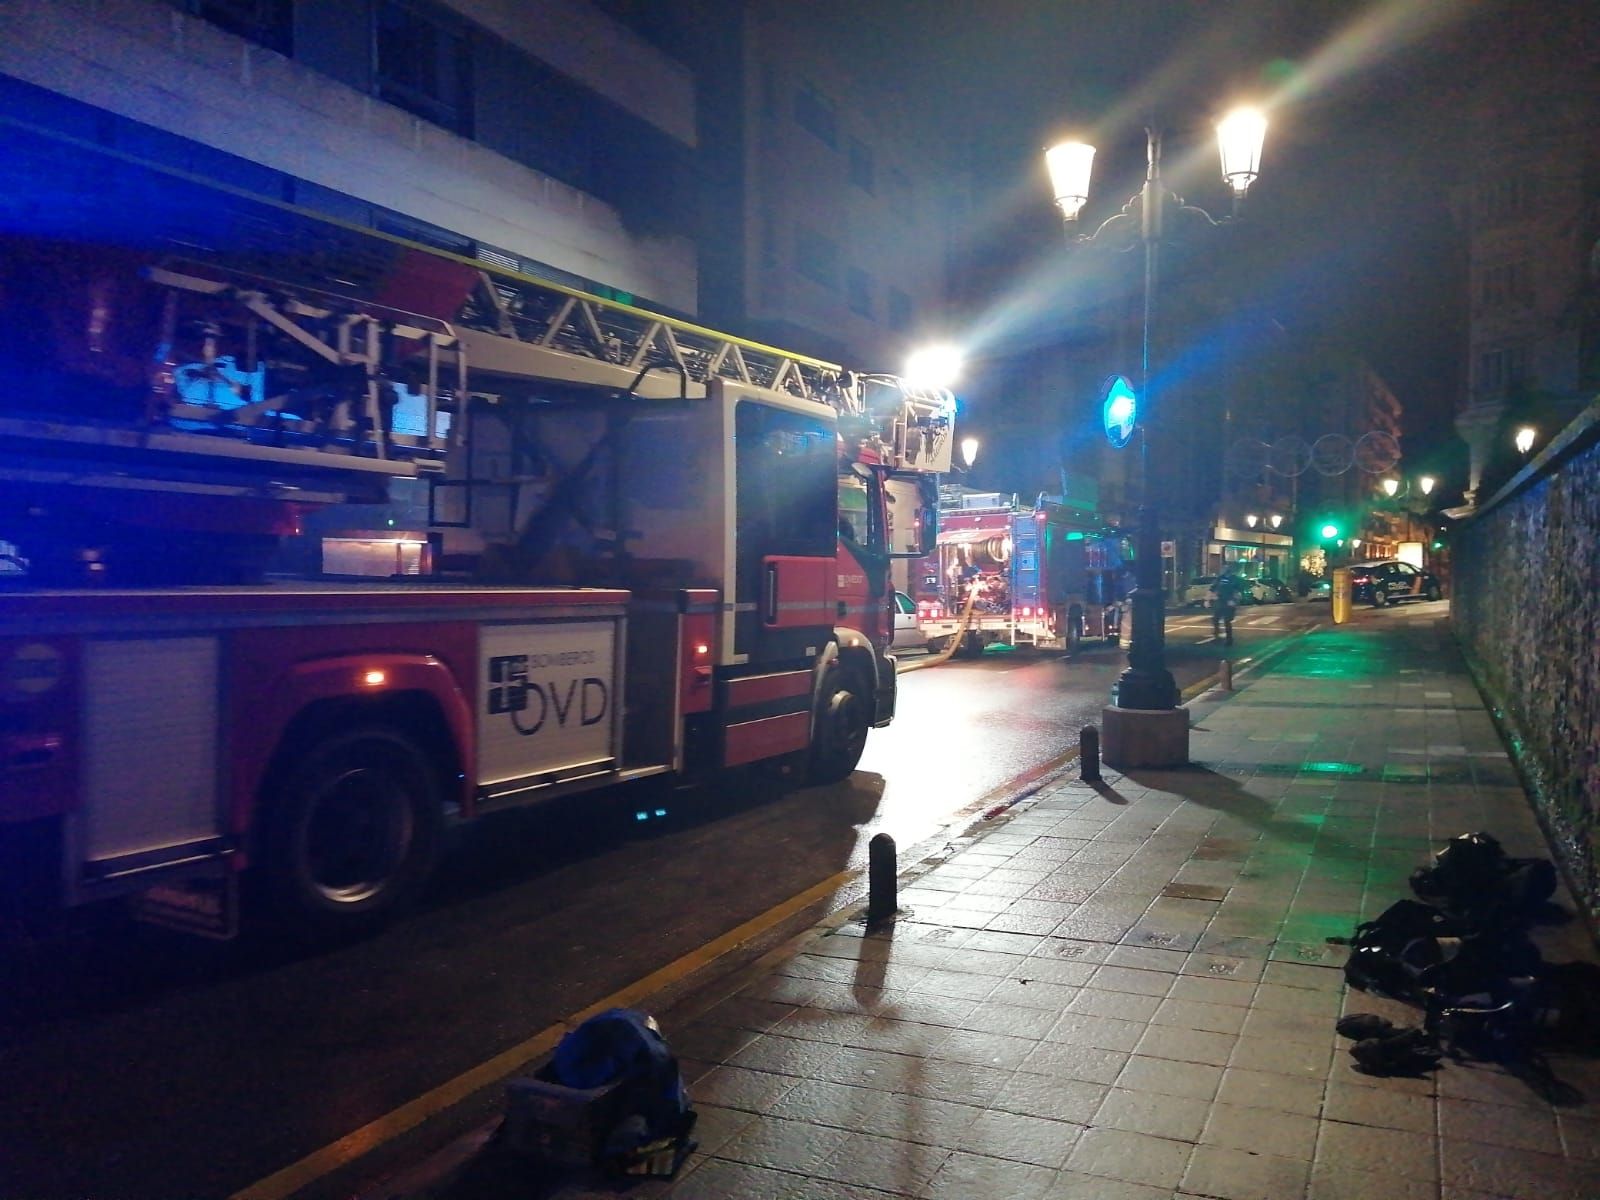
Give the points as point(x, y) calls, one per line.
point(625, 1048)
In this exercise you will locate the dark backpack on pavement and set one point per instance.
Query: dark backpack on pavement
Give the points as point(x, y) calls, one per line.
point(1378, 959)
point(1473, 874)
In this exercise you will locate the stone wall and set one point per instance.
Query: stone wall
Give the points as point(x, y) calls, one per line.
point(1526, 608)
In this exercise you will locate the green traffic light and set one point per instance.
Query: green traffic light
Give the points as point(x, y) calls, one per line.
point(1330, 531)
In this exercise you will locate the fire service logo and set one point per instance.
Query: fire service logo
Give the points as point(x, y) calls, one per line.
point(531, 703)
point(547, 698)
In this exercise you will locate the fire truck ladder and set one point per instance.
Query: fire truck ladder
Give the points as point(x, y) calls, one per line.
point(542, 329)
point(547, 316)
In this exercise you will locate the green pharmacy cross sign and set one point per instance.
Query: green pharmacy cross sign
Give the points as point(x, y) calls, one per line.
point(1119, 412)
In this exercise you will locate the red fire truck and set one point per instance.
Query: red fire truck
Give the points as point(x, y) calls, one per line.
point(1043, 577)
point(635, 564)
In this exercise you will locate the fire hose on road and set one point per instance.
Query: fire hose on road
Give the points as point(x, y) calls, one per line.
point(945, 655)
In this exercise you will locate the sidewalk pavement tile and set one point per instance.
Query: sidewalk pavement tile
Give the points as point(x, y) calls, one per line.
point(1124, 991)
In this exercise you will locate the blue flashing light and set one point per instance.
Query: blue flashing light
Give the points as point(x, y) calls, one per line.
point(1119, 412)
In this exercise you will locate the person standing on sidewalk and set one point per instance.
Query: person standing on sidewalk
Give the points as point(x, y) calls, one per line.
point(1224, 600)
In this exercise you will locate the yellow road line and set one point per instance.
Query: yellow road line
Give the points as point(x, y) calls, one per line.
point(408, 1116)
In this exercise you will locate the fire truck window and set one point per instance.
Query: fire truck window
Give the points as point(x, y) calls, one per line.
point(786, 488)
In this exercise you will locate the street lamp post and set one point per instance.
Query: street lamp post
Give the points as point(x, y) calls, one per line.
point(1147, 684)
point(1403, 497)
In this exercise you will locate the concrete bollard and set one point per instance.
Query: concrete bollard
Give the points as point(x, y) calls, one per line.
point(1089, 754)
point(882, 903)
point(1225, 674)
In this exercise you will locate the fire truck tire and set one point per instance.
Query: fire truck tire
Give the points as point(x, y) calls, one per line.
point(1075, 631)
point(971, 646)
point(844, 716)
point(353, 833)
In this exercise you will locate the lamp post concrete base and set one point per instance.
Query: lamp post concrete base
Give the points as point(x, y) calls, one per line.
point(1144, 737)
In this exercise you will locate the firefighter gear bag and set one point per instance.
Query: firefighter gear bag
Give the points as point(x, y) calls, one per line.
point(1473, 874)
point(611, 1096)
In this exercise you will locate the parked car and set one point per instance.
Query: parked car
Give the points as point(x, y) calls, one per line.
point(1263, 591)
point(1321, 589)
point(1250, 591)
point(908, 633)
point(1380, 583)
point(1282, 593)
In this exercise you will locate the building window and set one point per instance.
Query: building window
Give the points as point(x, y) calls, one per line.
point(769, 240)
point(769, 92)
point(816, 257)
point(423, 65)
point(858, 291)
point(861, 165)
point(268, 23)
point(1510, 195)
point(899, 310)
point(1504, 285)
point(900, 192)
point(816, 114)
point(1503, 368)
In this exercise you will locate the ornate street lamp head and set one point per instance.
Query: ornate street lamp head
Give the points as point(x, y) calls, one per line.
point(1240, 136)
point(1276, 519)
point(1251, 519)
point(1070, 164)
point(1525, 437)
point(969, 451)
point(1426, 483)
point(1391, 486)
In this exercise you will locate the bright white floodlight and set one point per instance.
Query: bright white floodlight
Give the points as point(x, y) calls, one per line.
point(935, 367)
point(1240, 136)
point(1070, 164)
point(1525, 437)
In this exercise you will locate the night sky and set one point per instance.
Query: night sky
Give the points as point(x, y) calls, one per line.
point(1367, 136)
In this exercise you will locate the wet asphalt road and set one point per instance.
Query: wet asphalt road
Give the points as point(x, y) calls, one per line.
point(143, 1064)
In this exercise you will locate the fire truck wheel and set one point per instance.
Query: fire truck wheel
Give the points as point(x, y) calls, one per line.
point(1075, 631)
point(971, 646)
point(843, 719)
point(353, 833)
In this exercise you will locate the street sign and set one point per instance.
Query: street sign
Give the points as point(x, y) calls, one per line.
point(1119, 411)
